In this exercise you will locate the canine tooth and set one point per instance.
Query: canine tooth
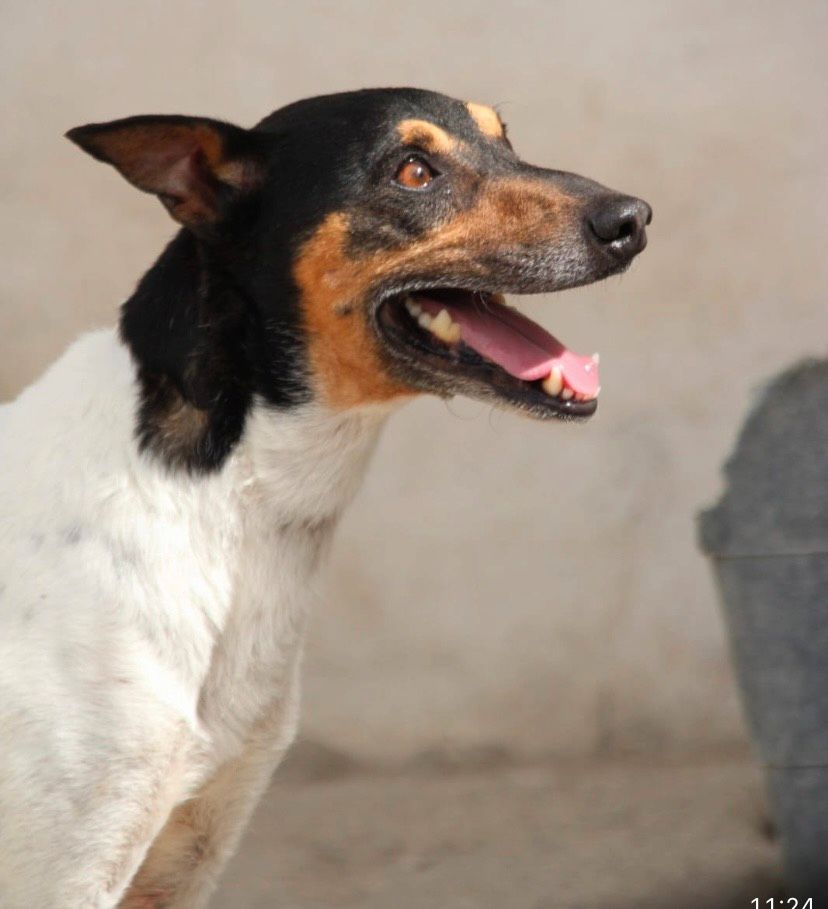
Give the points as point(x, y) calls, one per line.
point(596, 358)
point(553, 383)
point(442, 318)
point(413, 307)
point(567, 394)
point(443, 326)
point(424, 320)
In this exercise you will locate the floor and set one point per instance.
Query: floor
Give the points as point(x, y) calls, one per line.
point(622, 834)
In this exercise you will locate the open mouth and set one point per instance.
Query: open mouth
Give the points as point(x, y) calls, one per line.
point(472, 342)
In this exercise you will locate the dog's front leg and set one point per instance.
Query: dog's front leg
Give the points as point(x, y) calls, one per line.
point(82, 850)
point(183, 866)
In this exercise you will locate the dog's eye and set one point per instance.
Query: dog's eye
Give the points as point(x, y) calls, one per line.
point(414, 173)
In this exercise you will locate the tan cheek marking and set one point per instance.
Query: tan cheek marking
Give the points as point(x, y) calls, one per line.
point(344, 356)
point(346, 364)
point(486, 119)
point(427, 135)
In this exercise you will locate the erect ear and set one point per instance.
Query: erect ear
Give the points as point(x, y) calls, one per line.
point(192, 164)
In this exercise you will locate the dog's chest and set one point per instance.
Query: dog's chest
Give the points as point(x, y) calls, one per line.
point(296, 476)
point(166, 594)
point(159, 598)
point(250, 675)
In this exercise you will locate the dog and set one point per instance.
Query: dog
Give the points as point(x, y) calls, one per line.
point(169, 489)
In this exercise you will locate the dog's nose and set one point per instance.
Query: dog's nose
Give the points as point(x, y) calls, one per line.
point(617, 224)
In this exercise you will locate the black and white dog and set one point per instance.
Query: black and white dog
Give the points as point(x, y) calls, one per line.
point(168, 489)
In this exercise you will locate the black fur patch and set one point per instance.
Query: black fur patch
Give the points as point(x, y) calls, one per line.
point(195, 337)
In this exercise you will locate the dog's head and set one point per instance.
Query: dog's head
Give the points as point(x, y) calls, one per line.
point(372, 234)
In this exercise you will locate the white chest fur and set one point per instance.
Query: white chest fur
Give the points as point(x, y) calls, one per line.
point(294, 475)
point(188, 590)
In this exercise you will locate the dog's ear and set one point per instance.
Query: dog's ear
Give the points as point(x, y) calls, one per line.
point(193, 164)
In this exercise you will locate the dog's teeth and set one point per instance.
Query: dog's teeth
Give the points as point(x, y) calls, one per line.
point(441, 319)
point(596, 358)
point(413, 307)
point(444, 327)
point(567, 394)
point(553, 383)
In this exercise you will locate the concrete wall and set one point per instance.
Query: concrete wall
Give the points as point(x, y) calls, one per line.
point(499, 582)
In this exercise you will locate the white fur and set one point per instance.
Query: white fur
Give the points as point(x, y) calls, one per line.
point(151, 625)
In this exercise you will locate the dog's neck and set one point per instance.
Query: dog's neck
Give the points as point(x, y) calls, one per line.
point(193, 334)
point(305, 465)
point(198, 342)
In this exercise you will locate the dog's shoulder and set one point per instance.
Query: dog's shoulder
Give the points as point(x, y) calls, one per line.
point(74, 418)
point(81, 396)
point(60, 443)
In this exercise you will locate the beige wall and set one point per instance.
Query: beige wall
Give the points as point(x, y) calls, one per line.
point(499, 582)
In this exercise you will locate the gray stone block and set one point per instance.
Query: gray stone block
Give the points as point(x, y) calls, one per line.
point(768, 540)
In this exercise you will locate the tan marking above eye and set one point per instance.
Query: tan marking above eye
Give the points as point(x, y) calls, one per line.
point(428, 136)
point(486, 118)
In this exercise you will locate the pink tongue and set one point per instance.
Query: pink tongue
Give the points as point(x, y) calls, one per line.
point(517, 344)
